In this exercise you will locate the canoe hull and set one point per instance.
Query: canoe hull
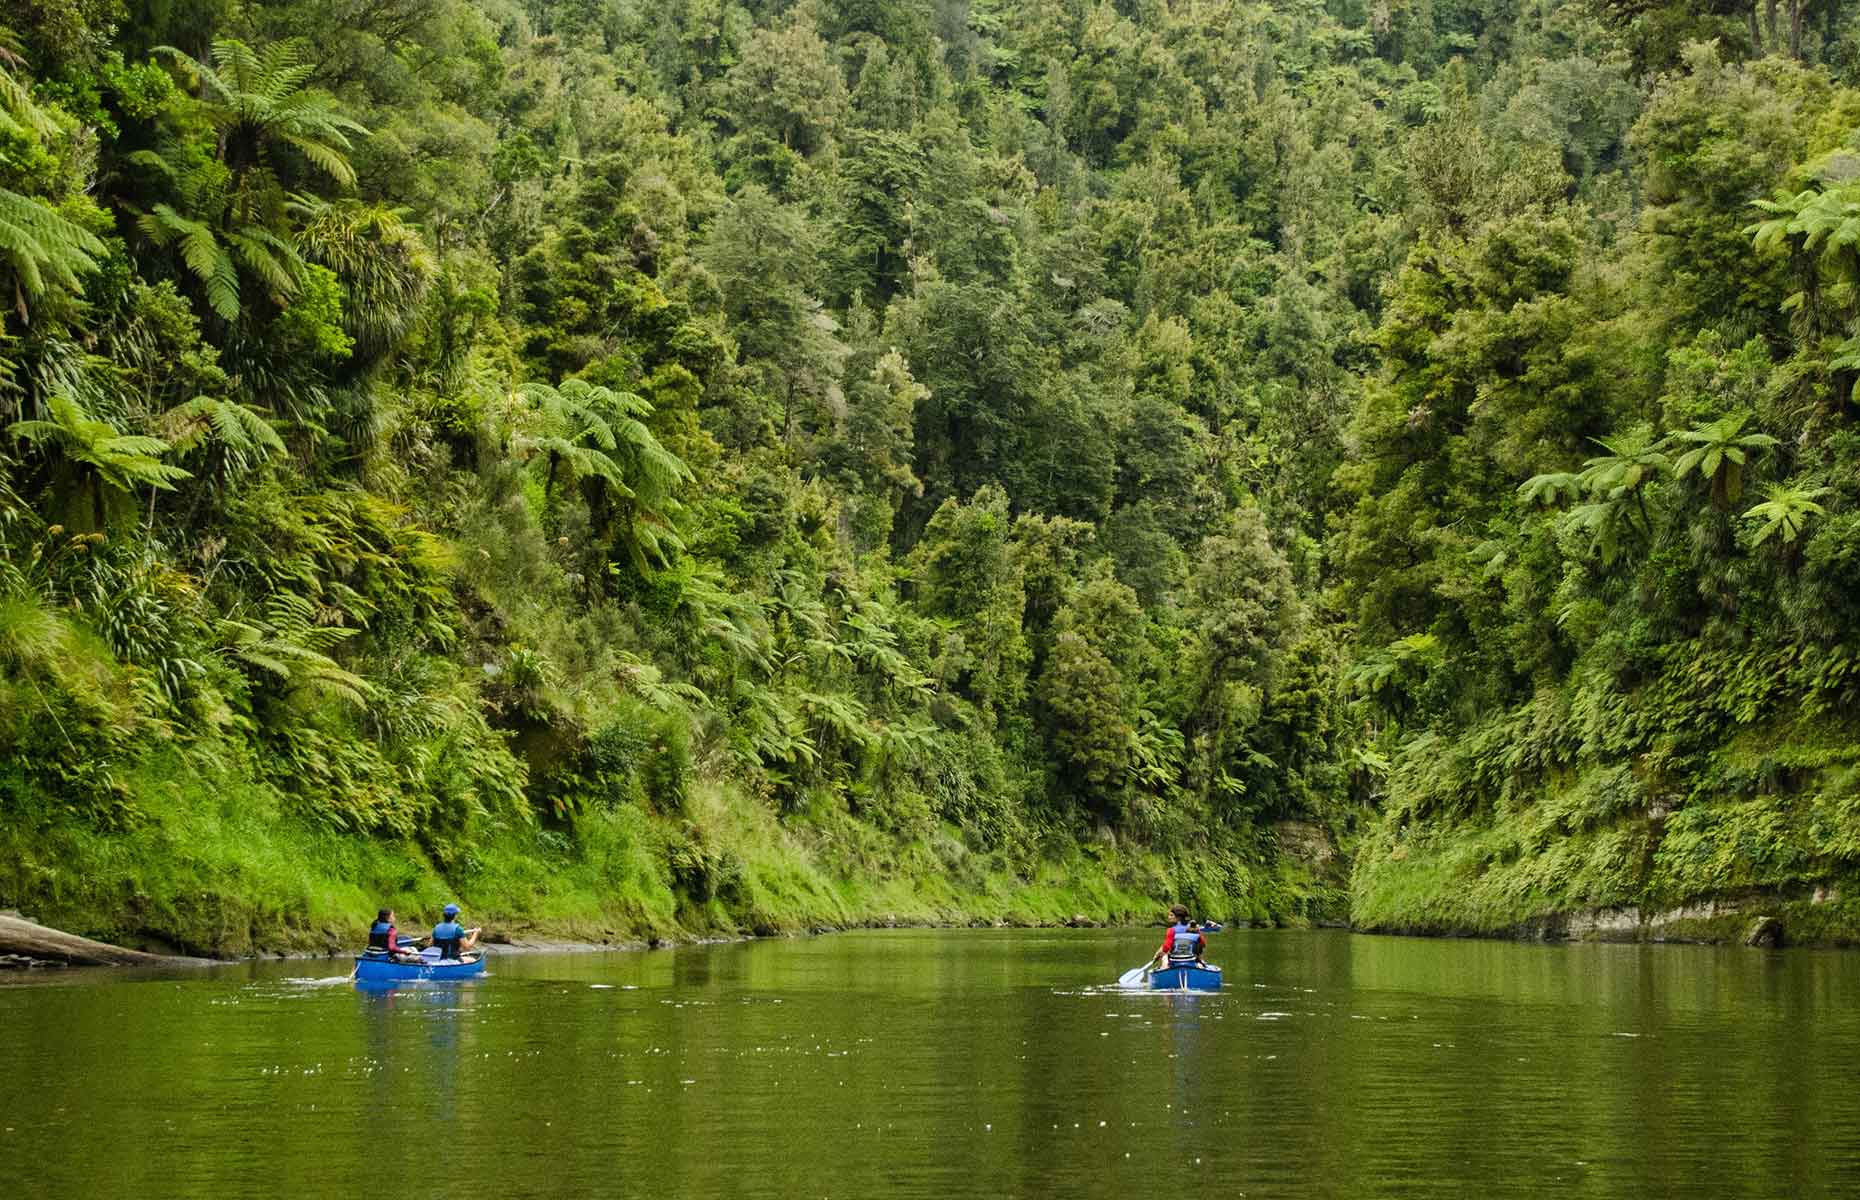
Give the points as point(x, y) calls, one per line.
point(1186, 979)
point(385, 970)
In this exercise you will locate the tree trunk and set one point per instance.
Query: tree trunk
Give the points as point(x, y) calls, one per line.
point(21, 939)
point(1795, 29)
point(1756, 38)
point(1769, 22)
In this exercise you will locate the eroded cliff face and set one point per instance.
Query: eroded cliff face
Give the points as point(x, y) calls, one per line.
point(1762, 919)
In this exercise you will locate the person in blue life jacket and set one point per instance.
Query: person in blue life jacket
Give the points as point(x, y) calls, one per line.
point(1184, 944)
point(452, 938)
point(383, 938)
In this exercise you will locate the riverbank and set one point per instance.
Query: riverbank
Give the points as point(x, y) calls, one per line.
point(241, 879)
point(231, 871)
point(1766, 922)
point(223, 868)
point(1615, 883)
point(1761, 921)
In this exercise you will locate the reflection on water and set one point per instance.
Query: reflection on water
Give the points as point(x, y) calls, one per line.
point(971, 1063)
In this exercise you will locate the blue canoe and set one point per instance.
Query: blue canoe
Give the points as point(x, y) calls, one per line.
point(381, 969)
point(1186, 979)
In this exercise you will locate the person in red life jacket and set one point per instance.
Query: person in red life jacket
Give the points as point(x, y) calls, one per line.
point(383, 938)
point(1184, 944)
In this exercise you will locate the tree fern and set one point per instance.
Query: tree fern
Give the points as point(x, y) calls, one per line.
point(230, 215)
point(256, 99)
point(122, 461)
point(214, 258)
point(596, 433)
point(1819, 229)
point(1718, 452)
point(648, 475)
point(1785, 512)
point(836, 713)
point(268, 256)
point(874, 646)
point(1551, 487)
point(736, 624)
point(201, 252)
point(19, 116)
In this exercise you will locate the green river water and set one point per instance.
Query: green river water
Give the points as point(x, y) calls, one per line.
point(953, 1063)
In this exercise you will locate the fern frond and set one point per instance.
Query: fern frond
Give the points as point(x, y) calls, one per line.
point(665, 467)
point(327, 158)
point(21, 116)
point(43, 246)
point(155, 162)
point(270, 258)
point(223, 289)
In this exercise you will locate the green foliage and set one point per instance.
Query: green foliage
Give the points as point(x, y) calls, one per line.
point(240, 437)
point(41, 244)
point(255, 98)
point(1786, 511)
point(215, 263)
point(1718, 452)
point(102, 459)
point(715, 466)
point(380, 262)
point(44, 247)
point(312, 322)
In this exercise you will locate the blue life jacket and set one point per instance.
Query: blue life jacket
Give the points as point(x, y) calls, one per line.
point(1186, 947)
point(447, 935)
point(378, 936)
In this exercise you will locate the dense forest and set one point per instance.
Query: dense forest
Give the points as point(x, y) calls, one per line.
point(654, 466)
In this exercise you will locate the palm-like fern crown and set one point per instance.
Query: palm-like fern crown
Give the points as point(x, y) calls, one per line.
point(256, 98)
point(214, 255)
point(1786, 511)
point(123, 461)
point(595, 432)
point(241, 435)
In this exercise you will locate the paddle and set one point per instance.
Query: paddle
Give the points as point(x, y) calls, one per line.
point(1135, 976)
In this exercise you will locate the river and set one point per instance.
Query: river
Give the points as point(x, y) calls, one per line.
point(951, 1063)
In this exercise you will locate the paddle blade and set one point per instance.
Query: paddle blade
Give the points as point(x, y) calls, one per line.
point(1134, 976)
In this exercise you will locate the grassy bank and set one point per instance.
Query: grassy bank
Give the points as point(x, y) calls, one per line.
point(222, 865)
point(216, 862)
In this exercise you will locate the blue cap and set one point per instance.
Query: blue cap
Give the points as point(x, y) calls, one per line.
point(452, 910)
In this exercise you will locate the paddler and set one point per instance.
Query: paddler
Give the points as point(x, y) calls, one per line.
point(383, 938)
point(1184, 944)
point(452, 938)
